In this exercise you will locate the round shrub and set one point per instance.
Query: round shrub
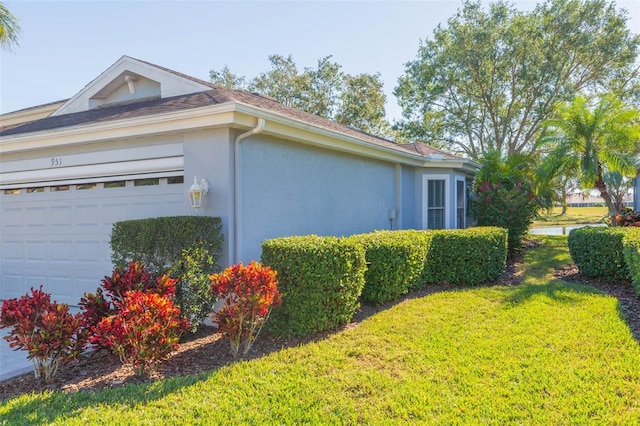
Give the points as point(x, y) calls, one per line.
point(598, 252)
point(320, 279)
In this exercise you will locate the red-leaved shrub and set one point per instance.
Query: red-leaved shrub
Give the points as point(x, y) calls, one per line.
point(110, 295)
point(45, 329)
point(143, 332)
point(249, 292)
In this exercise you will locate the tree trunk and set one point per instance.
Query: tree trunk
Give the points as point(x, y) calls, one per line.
point(602, 187)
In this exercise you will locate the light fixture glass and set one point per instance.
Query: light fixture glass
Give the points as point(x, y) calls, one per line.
point(197, 192)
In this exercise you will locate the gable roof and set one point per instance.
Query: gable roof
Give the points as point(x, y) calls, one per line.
point(169, 83)
point(207, 95)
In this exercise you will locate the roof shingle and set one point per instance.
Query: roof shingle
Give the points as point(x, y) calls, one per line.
point(216, 95)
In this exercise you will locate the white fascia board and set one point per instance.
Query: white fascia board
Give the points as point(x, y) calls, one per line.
point(289, 128)
point(28, 114)
point(178, 121)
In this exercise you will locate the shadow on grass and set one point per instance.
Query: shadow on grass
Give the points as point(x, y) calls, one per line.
point(556, 291)
point(49, 407)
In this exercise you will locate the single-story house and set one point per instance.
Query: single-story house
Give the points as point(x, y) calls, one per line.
point(130, 144)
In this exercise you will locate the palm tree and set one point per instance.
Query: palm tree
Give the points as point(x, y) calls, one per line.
point(9, 29)
point(601, 139)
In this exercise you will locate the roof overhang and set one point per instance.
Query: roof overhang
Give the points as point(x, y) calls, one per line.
point(29, 114)
point(291, 129)
point(228, 114)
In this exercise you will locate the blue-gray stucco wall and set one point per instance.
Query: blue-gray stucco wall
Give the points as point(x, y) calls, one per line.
point(409, 204)
point(293, 189)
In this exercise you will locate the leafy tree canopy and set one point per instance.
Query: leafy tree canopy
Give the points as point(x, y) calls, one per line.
point(488, 79)
point(353, 100)
point(9, 29)
point(592, 140)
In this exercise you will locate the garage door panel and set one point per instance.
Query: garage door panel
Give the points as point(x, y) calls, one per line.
point(61, 239)
point(13, 250)
point(34, 281)
point(88, 215)
point(62, 289)
point(61, 251)
point(36, 251)
point(66, 285)
point(12, 218)
point(12, 285)
point(87, 251)
point(60, 215)
point(36, 216)
point(116, 212)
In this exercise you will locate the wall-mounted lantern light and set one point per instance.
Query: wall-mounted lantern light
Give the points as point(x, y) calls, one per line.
point(197, 191)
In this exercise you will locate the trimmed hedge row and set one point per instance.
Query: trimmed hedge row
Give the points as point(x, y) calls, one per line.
point(598, 252)
point(158, 242)
point(395, 263)
point(467, 256)
point(631, 253)
point(321, 278)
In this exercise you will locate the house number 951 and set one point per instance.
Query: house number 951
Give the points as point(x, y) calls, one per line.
point(56, 162)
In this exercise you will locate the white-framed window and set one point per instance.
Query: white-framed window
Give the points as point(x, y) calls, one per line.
point(435, 202)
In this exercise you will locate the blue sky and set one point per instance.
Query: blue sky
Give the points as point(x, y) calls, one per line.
point(66, 44)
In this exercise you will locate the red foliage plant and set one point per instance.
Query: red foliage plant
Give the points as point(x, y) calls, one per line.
point(109, 296)
point(144, 331)
point(249, 292)
point(45, 329)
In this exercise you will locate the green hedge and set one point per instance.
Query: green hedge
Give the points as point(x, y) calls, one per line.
point(320, 279)
point(158, 242)
point(631, 253)
point(598, 252)
point(466, 256)
point(395, 263)
point(186, 247)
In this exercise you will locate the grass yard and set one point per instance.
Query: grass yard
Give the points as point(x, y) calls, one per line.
point(574, 215)
point(544, 352)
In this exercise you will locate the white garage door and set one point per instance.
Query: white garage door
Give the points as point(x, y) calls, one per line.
point(58, 236)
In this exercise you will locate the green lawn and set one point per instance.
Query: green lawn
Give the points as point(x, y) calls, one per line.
point(574, 215)
point(544, 352)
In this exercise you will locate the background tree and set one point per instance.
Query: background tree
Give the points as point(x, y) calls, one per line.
point(618, 186)
point(603, 138)
point(564, 186)
point(9, 28)
point(356, 101)
point(227, 79)
point(366, 116)
point(488, 79)
point(505, 195)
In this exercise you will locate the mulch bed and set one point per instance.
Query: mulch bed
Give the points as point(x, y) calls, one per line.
point(205, 350)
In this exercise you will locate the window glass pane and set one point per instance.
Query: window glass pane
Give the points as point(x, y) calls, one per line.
point(146, 182)
point(435, 203)
point(32, 190)
point(435, 219)
point(118, 184)
point(435, 191)
point(12, 191)
point(175, 179)
point(60, 188)
point(87, 186)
